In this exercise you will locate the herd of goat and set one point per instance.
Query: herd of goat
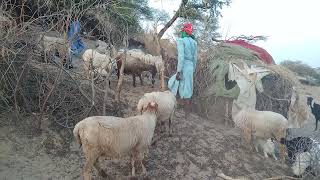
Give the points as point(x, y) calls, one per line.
point(117, 137)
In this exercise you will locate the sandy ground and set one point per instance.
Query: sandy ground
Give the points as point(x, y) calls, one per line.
point(198, 149)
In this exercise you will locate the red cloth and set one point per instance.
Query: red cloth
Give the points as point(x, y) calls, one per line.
point(187, 27)
point(262, 53)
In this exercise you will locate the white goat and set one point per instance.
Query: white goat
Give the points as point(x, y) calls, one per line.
point(95, 61)
point(267, 147)
point(167, 104)
point(263, 125)
point(116, 137)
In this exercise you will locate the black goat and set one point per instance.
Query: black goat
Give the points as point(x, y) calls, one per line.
point(315, 109)
point(295, 146)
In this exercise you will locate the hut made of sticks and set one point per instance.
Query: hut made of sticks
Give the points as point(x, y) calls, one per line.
point(213, 89)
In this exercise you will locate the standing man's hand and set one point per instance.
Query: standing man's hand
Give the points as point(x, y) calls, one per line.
point(178, 77)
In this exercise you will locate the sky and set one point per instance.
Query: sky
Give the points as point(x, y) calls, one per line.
point(292, 26)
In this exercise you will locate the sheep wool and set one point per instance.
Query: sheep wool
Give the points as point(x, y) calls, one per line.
point(115, 137)
point(101, 62)
point(166, 105)
point(262, 124)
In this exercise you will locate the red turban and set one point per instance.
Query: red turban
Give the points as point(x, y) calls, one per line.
point(187, 27)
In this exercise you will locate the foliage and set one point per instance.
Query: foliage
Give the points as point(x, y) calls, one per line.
point(302, 69)
point(204, 15)
point(104, 19)
point(160, 17)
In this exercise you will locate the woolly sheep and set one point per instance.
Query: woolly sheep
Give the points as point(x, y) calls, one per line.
point(102, 47)
point(115, 137)
point(262, 124)
point(101, 62)
point(267, 146)
point(53, 44)
point(167, 105)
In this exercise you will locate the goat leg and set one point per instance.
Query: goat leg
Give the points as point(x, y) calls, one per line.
point(140, 79)
point(317, 120)
point(274, 156)
point(134, 80)
point(226, 114)
point(133, 170)
point(256, 147)
point(170, 130)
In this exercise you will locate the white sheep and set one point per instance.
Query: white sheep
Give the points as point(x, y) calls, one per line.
point(262, 124)
point(267, 147)
point(167, 104)
point(116, 137)
point(53, 44)
point(102, 47)
point(94, 60)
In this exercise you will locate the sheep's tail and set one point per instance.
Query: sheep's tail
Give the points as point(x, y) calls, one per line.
point(76, 134)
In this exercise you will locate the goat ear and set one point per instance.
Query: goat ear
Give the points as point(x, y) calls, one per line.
point(312, 103)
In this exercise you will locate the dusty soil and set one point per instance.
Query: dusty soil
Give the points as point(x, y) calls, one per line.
point(198, 149)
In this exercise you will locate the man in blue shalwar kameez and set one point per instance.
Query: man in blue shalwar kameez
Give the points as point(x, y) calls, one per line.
point(182, 81)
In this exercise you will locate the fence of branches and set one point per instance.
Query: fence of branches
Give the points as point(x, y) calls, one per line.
point(33, 78)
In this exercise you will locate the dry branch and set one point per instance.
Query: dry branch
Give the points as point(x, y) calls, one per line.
point(173, 19)
point(225, 177)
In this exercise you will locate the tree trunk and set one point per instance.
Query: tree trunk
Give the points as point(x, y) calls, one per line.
point(105, 98)
point(119, 85)
point(173, 19)
point(163, 84)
